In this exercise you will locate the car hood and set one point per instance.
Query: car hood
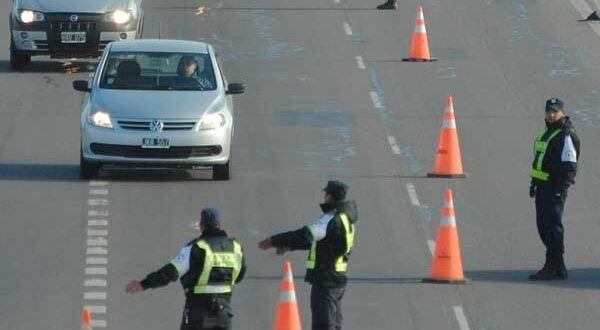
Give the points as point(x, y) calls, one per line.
point(70, 6)
point(157, 104)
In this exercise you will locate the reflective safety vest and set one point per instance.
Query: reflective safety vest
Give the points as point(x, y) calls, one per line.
point(231, 260)
point(540, 148)
point(341, 263)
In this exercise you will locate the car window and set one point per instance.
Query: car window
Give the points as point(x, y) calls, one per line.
point(158, 71)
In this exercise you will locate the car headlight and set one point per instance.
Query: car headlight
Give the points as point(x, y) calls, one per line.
point(119, 16)
point(212, 121)
point(100, 118)
point(27, 16)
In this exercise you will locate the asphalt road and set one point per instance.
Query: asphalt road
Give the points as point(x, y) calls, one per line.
point(308, 116)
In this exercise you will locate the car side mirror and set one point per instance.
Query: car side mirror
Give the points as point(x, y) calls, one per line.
point(235, 88)
point(82, 86)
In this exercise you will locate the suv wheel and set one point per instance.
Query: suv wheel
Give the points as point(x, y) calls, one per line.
point(221, 172)
point(88, 170)
point(18, 60)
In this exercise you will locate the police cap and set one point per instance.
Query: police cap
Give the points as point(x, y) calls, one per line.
point(209, 217)
point(336, 189)
point(554, 104)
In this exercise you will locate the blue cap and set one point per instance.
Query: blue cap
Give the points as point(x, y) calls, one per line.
point(336, 189)
point(209, 217)
point(554, 104)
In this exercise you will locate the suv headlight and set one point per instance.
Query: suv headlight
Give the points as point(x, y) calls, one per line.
point(212, 121)
point(28, 16)
point(100, 118)
point(119, 16)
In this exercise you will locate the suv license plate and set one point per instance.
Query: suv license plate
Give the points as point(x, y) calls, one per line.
point(72, 37)
point(155, 143)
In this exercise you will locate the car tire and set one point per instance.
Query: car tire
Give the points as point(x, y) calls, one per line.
point(18, 60)
point(221, 172)
point(88, 170)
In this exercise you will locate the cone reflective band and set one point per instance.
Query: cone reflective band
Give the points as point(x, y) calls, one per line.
point(287, 316)
point(419, 47)
point(448, 162)
point(446, 265)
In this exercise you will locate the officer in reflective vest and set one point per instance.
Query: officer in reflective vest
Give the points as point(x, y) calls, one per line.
point(329, 239)
point(207, 268)
point(554, 167)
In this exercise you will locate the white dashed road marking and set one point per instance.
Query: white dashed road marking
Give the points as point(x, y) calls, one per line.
point(347, 29)
point(360, 62)
point(375, 99)
point(95, 282)
point(461, 318)
point(96, 270)
point(94, 295)
point(431, 245)
point(412, 192)
point(393, 144)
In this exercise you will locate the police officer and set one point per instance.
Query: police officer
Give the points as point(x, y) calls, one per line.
point(389, 5)
point(207, 267)
point(553, 171)
point(330, 239)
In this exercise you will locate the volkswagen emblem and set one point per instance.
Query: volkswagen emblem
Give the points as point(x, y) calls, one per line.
point(73, 18)
point(156, 126)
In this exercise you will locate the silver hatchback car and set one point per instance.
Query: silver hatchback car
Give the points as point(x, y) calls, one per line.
point(157, 104)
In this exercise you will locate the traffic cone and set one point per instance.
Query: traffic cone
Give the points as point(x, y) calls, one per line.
point(448, 163)
point(86, 319)
point(287, 316)
point(419, 48)
point(446, 266)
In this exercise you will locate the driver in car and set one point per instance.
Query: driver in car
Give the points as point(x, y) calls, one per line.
point(188, 68)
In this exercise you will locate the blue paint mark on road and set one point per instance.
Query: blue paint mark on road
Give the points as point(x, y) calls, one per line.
point(588, 113)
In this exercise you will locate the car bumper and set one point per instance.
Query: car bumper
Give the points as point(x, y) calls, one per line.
point(188, 149)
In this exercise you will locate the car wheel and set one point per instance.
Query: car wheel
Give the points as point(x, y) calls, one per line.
point(18, 60)
point(88, 170)
point(221, 172)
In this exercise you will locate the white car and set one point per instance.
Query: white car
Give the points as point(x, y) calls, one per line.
point(158, 104)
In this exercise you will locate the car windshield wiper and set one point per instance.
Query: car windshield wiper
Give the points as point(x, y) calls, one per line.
point(178, 88)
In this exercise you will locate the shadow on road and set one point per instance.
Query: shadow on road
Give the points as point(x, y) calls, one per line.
point(51, 67)
point(581, 278)
point(359, 279)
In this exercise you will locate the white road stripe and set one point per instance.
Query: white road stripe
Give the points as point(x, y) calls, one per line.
point(94, 295)
point(336, 1)
point(360, 63)
point(431, 245)
point(97, 232)
point(394, 145)
point(96, 261)
point(375, 99)
point(96, 270)
point(98, 183)
point(412, 192)
point(97, 213)
point(347, 29)
point(98, 202)
point(98, 323)
point(96, 250)
point(460, 317)
point(97, 241)
point(98, 191)
point(97, 222)
point(96, 309)
point(95, 282)
point(584, 10)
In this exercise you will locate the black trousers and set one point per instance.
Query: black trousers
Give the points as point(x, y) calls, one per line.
point(215, 316)
point(549, 211)
point(326, 307)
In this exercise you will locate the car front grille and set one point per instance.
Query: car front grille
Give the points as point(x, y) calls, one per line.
point(67, 26)
point(144, 125)
point(139, 152)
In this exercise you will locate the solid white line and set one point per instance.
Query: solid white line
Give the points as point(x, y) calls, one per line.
point(347, 29)
point(97, 241)
point(360, 63)
point(394, 145)
point(95, 282)
point(98, 183)
point(96, 250)
point(94, 295)
point(97, 202)
point(431, 245)
point(412, 192)
point(96, 270)
point(375, 99)
point(96, 261)
point(98, 213)
point(97, 222)
point(96, 309)
point(584, 10)
point(97, 232)
point(98, 191)
point(460, 317)
point(98, 323)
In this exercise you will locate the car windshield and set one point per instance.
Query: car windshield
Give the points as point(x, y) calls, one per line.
point(158, 71)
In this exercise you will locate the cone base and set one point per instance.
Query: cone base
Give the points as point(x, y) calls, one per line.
point(419, 60)
point(447, 176)
point(456, 282)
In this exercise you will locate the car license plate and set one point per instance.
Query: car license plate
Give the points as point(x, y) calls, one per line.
point(72, 37)
point(155, 143)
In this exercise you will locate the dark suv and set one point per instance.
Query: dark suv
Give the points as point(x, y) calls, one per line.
point(70, 28)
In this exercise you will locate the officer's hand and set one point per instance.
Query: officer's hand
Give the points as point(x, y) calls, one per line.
point(133, 287)
point(532, 191)
point(265, 244)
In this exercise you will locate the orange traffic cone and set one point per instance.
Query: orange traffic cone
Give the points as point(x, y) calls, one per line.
point(448, 163)
point(287, 316)
point(446, 266)
point(86, 319)
point(419, 48)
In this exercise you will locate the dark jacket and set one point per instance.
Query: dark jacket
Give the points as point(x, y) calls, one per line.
point(169, 273)
point(559, 161)
point(329, 248)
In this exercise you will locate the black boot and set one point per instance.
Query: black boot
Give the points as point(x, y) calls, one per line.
point(560, 269)
point(389, 4)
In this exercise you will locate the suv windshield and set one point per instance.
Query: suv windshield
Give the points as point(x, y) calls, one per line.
point(158, 71)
